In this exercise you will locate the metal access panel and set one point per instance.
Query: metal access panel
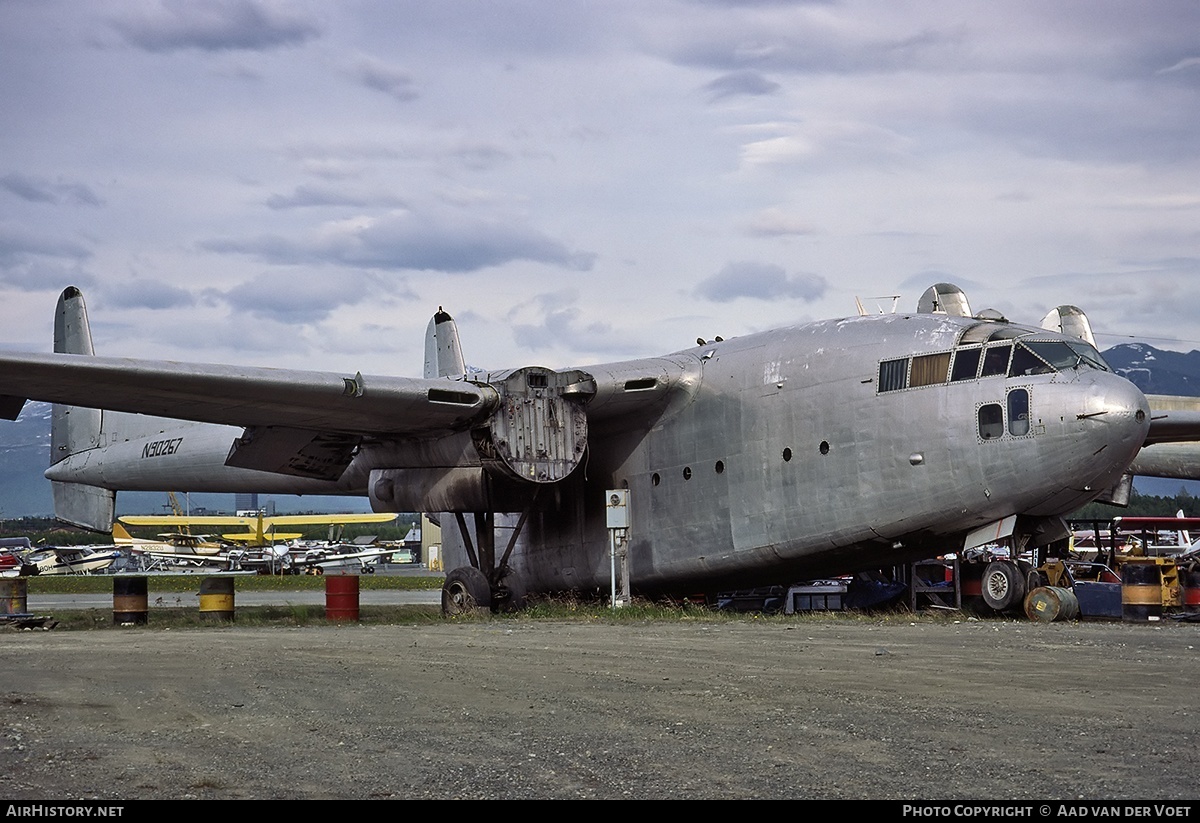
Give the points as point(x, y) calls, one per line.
point(540, 430)
point(616, 508)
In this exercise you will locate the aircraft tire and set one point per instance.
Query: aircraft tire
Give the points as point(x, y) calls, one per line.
point(1002, 585)
point(466, 590)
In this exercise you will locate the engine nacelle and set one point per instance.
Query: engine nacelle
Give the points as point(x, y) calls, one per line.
point(539, 432)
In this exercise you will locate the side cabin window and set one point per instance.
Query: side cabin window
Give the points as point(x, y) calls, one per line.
point(1018, 412)
point(991, 421)
point(966, 364)
point(929, 369)
point(995, 360)
point(893, 375)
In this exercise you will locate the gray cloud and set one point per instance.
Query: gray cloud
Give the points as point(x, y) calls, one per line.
point(18, 244)
point(148, 294)
point(740, 84)
point(760, 281)
point(805, 47)
point(41, 190)
point(553, 320)
point(391, 80)
point(449, 243)
point(312, 196)
point(290, 299)
point(216, 25)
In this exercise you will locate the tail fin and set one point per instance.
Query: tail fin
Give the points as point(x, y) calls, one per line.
point(74, 429)
point(443, 353)
point(1069, 320)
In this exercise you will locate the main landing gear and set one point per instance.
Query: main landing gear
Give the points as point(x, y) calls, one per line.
point(485, 585)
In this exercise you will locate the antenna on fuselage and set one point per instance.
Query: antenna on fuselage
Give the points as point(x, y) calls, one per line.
point(895, 298)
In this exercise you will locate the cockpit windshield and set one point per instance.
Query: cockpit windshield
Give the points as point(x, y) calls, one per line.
point(1062, 355)
point(1003, 356)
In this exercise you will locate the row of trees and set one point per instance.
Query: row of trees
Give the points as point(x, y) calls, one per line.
point(1143, 505)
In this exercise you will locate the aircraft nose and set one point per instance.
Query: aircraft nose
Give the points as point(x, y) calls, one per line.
point(1121, 410)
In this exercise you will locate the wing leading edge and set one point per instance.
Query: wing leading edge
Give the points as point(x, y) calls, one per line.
point(246, 397)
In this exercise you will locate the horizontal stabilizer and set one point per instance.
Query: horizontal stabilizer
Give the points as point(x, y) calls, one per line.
point(89, 507)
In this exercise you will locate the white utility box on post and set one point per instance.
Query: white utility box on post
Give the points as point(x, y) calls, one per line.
point(616, 509)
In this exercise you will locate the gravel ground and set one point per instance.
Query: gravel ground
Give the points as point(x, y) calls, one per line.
point(830, 707)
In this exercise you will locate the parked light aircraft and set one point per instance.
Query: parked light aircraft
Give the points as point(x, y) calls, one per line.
point(262, 529)
point(261, 547)
point(820, 449)
point(71, 559)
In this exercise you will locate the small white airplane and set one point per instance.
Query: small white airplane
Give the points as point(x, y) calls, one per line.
point(72, 559)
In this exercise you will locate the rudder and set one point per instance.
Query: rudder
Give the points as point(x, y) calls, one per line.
point(443, 352)
point(74, 428)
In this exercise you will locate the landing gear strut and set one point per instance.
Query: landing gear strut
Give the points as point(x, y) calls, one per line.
point(486, 583)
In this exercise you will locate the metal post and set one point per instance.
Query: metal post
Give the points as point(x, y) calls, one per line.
point(616, 503)
point(612, 560)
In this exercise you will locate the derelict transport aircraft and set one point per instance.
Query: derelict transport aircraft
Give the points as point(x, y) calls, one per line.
point(820, 449)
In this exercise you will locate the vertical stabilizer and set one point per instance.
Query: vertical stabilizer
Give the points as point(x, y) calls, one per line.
point(944, 298)
point(1069, 320)
point(74, 429)
point(443, 354)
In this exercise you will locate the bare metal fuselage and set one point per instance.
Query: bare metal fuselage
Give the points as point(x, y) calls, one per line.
point(787, 462)
point(765, 458)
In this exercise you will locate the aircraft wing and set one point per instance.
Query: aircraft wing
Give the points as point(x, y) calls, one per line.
point(327, 519)
point(247, 397)
point(186, 520)
point(1173, 419)
point(268, 521)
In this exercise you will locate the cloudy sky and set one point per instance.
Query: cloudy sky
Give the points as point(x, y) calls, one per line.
point(304, 183)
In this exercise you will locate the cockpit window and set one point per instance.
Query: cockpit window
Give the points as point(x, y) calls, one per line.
point(1089, 354)
point(995, 360)
point(1025, 362)
point(1063, 355)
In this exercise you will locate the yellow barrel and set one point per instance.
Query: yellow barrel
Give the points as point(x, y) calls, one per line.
point(14, 595)
point(216, 598)
point(1141, 591)
point(129, 600)
point(341, 597)
point(1049, 603)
